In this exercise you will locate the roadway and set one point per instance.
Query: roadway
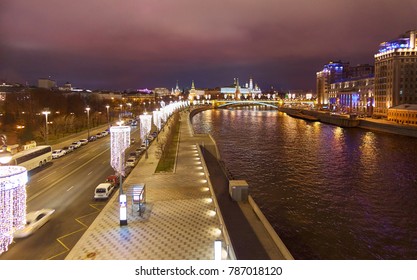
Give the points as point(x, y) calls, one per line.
point(66, 185)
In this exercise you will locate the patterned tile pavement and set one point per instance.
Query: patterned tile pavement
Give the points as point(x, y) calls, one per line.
point(179, 221)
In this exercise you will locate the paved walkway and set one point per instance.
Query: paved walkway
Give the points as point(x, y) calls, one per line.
point(179, 221)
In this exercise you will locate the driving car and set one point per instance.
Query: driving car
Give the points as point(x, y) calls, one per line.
point(34, 220)
point(58, 153)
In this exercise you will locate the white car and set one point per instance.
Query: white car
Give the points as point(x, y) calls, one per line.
point(58, 153)
point(131, 161)
point(83, 141)
point(34, 220)
point(76, 144)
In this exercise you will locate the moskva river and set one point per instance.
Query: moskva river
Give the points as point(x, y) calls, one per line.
point(329, 192)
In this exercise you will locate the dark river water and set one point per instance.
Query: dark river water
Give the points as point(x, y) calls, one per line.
point(329, 192)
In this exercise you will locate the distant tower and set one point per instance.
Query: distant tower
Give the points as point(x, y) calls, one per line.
point(193, 93)
point(251, 83)
point(177, 90)
point(237, 93)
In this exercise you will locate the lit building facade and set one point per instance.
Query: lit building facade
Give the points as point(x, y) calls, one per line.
point(352, 96)
point(396, 73)
point(403, 114)
point(355, 92)
point(46, 83)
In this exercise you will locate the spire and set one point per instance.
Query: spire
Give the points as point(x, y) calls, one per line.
point(192, 85)
point(177, 87)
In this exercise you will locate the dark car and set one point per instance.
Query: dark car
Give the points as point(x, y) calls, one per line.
point(92, 138)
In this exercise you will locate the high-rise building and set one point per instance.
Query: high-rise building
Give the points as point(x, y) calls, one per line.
point(332, 72)
point(396, 73)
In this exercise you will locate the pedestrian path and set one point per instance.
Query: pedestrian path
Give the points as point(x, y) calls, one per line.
point(179, 221)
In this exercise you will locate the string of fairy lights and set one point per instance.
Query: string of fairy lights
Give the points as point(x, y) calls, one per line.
point(13, 181)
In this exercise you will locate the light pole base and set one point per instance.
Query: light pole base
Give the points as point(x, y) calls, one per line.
point(123, 222)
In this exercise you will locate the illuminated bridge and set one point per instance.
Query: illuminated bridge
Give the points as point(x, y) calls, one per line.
point(269, 103)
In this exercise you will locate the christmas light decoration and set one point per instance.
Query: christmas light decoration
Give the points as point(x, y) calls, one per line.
point(145, 125)
point(13, 181)
point(119, 142)
point(157, 119)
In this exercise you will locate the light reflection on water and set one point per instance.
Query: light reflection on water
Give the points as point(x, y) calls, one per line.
point(329, 192)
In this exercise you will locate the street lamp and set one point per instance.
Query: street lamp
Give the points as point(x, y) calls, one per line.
point(120, 114)
point(88, 121)
point(108, 116)
point(5, 156)
point(46, 113)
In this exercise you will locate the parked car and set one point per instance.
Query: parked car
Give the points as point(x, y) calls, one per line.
point(83, 141)
point(98, 135)
point(154, 134)
point(132, 141)
point(128, 169)
point(103, 190)
point(104, 133)
point(132, 154)
point(58, 153)
point(68, 149)
point(34, 220)
point(92, 138)
point(139, 151)
point(76, 144)
point(113, 179)
point(131, 161)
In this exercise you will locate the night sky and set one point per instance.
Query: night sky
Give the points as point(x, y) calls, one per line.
point(129, 44)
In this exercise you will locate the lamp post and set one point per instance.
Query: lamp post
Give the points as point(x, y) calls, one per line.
point(120, 114)
point(108, 116)
point(46, 112)
point(88, 121)
point(5, 156)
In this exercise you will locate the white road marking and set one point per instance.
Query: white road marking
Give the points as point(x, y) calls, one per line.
point(52, 173)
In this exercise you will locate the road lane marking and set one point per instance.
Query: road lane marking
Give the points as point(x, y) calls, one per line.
point(50, 174)
point(67, 164)
point(89, 173)
point(70, 188)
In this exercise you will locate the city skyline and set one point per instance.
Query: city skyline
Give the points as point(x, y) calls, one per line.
point(101, 45)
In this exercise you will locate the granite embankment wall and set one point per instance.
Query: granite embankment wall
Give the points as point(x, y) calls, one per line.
point(406, 130)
